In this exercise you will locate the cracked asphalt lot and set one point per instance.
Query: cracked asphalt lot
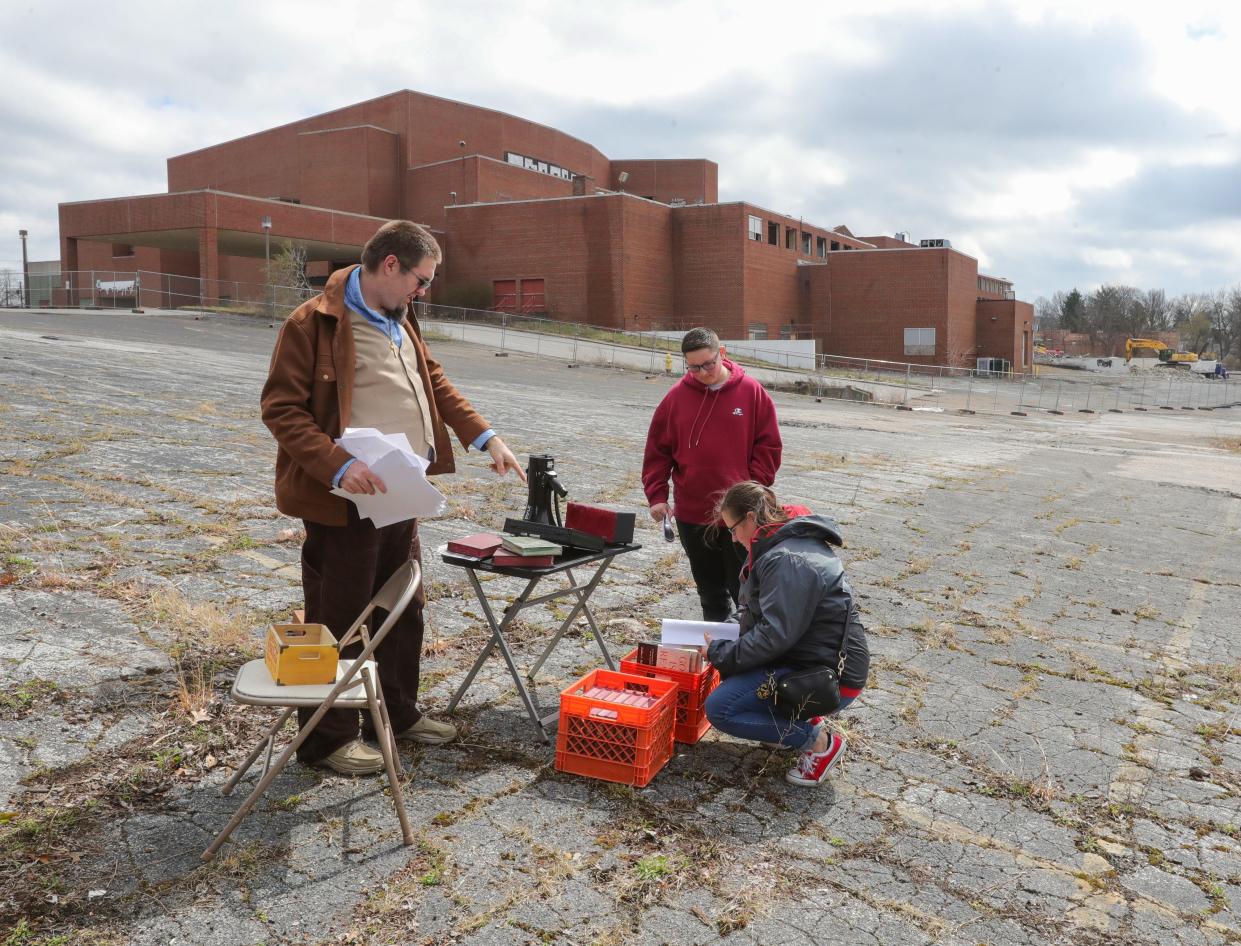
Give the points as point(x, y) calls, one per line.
point(1049, 750)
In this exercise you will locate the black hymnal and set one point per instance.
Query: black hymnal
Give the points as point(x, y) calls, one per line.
point(558, 534)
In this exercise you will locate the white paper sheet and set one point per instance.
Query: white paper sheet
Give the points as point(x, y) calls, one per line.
point(403, 472)
point(682, 633)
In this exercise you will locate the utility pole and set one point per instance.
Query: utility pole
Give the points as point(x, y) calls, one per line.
point(25, 272)
point(267, 257)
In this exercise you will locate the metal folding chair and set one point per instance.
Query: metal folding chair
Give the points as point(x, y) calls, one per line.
point(357, 687)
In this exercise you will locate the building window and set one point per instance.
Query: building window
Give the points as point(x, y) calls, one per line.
point(919, 341)
point(773, 233)
point(757, 330)
point(122, 249)
point(835, 245)
point(756, 228)
point(820, 247)
point(790, 238)
point(805, 243)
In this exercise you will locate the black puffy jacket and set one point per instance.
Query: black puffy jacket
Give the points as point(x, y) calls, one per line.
point(796, 604)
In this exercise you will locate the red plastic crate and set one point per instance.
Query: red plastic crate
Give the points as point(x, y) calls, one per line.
point(691, 722)
point(631, 748)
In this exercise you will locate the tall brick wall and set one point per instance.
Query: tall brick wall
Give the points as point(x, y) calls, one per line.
point(692, 180)
point(474, 179)
point(1001, 325)
point(708, 246)
point(962, 341)
point(770, 293)
point(649, 272)
point(429, 129)
point(573, 244)
point(352, 169)
point(871, 296)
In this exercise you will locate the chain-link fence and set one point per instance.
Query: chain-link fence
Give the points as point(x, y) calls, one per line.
point(109, 289)
point(910, 386)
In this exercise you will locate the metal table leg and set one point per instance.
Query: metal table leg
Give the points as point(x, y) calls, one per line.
point(583, 593)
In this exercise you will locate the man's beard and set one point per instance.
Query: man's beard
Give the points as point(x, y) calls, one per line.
point(396, 314)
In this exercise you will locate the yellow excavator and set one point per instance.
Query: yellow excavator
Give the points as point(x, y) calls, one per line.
point(1169, 356)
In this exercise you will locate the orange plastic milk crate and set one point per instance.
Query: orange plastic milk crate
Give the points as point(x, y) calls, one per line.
point(616, 727)
point(691, 722)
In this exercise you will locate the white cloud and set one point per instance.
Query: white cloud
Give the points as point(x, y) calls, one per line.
point(1108, 259)
point(1057, 141)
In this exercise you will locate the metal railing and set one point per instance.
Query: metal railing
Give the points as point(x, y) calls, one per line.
point(117, 289)
point(911, 386)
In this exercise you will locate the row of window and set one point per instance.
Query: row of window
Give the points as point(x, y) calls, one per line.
point(811, 245)
point(997, 286)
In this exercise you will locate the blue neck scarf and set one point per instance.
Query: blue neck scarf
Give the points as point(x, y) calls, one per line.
point(353, 298)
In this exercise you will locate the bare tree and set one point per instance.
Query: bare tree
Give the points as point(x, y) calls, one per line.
point(1218, 307)
point(286, 277)
point(1152, 313)
point(1046, 314)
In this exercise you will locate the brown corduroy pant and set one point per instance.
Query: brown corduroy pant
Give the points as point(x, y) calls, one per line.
point(342, 569)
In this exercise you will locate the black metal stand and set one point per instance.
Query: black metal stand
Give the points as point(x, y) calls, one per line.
point(579, 590)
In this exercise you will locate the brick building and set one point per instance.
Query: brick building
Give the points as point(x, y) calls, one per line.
point(534, 220)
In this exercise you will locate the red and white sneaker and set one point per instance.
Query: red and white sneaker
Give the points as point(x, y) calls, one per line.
point(812, 767)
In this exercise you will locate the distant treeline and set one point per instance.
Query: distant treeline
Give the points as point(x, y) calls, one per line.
point(1206, 321)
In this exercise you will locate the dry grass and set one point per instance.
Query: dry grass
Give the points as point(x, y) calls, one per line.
point(1231, 444)
point(936, 634)
point(919, 566)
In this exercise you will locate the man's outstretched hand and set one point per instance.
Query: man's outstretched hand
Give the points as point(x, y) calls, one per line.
point(502, 459)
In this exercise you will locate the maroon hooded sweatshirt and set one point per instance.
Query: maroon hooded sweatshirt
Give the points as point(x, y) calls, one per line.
point(706, 441)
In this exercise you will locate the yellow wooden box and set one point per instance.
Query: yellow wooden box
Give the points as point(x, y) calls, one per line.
point(301, 653)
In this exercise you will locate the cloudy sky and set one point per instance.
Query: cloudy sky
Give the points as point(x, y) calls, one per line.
point(1061, 142)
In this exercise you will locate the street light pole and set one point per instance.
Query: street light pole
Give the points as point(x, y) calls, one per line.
point(25, 272)
point(267, 259)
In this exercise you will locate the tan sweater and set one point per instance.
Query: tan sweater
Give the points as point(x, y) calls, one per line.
point(388, 394)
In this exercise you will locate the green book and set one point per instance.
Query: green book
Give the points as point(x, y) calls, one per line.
point(530, 545)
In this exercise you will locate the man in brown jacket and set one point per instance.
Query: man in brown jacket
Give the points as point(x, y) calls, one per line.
point(353, 356)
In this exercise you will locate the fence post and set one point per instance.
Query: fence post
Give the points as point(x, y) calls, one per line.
point(503, 331)
point(1116, 409)
point(1089, 391)
point(905, 399)
point(969, 392)
point(1167, 404)
point(1021, 398)
point(1141, 405)
point(1056, 408)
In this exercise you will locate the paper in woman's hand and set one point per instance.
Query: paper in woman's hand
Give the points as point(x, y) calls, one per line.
point(689, 633)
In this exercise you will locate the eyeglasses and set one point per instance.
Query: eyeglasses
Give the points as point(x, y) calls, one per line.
point(732, 530)
point(705, 366)
point(423, 282)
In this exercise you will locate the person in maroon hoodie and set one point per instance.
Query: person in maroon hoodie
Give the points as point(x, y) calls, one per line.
point(716, 427)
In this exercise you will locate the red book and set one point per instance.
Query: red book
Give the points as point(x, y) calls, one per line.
point(523, 561)
point(480, 545)
point(615, 528)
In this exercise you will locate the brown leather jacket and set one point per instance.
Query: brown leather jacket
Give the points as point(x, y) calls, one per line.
point(309, 393)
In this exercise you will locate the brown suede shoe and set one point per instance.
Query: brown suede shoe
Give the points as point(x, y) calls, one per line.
point(354, 758)
point(429, 731)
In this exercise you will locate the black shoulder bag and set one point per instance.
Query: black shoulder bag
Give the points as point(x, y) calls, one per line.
point(803, 694)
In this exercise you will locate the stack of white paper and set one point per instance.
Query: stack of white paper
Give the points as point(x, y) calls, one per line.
point(689, 633)
point(403, 472)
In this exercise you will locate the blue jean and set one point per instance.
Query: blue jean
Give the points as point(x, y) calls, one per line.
point(734, 708)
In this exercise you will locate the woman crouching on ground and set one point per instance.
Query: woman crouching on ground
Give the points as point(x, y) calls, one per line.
point(796, 610)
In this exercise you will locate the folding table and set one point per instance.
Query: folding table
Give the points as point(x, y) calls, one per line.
point(565, 564)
